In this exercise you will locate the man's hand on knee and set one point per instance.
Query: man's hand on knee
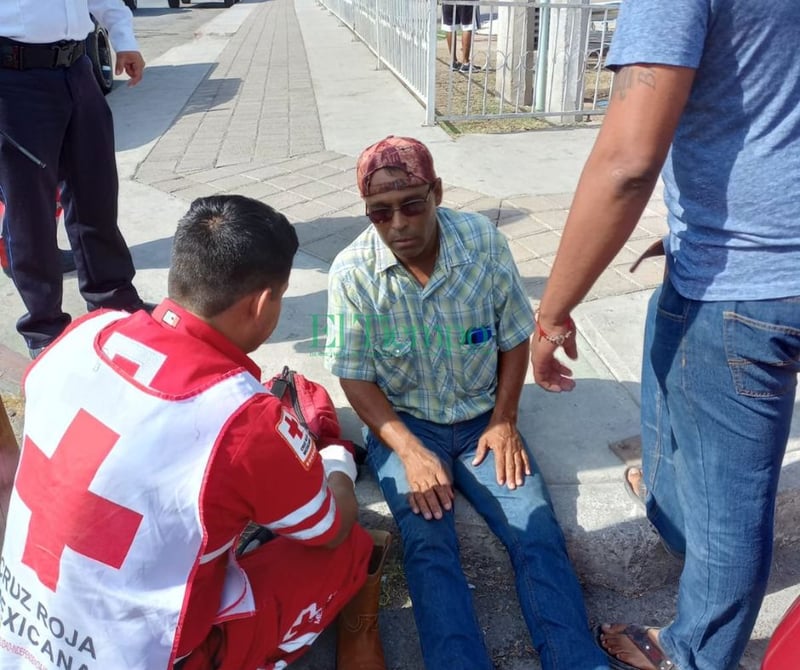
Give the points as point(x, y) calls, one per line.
point(431, 485)
point(510, 458)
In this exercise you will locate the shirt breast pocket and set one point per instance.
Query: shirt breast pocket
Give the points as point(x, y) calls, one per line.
point(396, 367)
point(478, 363)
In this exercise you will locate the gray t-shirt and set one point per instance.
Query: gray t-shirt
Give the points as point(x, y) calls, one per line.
point(732, 177)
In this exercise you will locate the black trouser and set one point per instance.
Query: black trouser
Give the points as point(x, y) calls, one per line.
point(61, 116)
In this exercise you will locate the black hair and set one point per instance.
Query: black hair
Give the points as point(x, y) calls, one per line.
point(226, 247)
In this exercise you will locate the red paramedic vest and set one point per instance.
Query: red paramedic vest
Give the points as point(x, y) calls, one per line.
point(104, 529)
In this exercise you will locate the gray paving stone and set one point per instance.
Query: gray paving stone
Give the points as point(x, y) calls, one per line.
point(554, 218)
point(533, 203)
point(541, 244)
point(522, 226)
point(346, 179)
point(313, 189)
point(340, 200)
point(288, 181)
point(305, 211)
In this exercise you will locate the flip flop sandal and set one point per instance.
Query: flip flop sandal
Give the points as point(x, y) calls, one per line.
point(638, 636)
point(638, 494)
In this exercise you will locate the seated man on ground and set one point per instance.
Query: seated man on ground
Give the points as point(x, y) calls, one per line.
point(435, 326)
point(149, 445)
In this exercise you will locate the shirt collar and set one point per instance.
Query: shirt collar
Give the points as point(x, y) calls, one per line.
point(171, 315)
point(451, 248)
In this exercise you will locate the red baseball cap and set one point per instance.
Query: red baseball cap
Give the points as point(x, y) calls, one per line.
point(401, 153)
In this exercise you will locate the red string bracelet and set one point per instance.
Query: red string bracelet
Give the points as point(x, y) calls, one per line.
point(559, 339)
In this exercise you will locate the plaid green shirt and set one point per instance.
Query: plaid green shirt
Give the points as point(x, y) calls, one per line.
point(433, 350)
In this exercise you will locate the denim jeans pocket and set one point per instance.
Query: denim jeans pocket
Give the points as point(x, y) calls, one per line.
point(763, 356)
point(396, 366)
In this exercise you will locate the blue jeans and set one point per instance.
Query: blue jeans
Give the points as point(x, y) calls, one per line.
point(523, 519)
point(718, 388)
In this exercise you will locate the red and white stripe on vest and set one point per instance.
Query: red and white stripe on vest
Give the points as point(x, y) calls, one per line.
point(104, 527)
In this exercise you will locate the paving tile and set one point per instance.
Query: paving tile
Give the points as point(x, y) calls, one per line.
point(304, 211)
point(340, 199)
point(639, 245)
point(197, 191)
point(313, 189)
point(266, 172)
point(541, 244)
point(562, 200)
point(522, 226)
point(298, 163)
point(215, 173)
point(346, 179)
point(650, 273)
point(258, 190)
point(324, 157)
point(654, 225)
point(284, 200)
point(288, 181)
point(173, 184)
point(327, 248)
point(555, 218)
point(612, 283)
point(344, 163)
point(231, 182)
point(519, 253)
point(318, 171)
point(460, 197)
point(533, 203)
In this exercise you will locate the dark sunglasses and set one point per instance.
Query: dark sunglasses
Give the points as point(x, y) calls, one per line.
point(408, 208)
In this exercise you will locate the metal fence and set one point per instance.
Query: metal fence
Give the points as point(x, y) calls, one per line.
point(529, 58)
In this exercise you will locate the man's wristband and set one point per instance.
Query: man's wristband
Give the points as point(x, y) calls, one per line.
point(336, 458)
point(559, 338)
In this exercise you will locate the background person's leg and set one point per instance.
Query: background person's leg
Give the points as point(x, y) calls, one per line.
point(88, 165)
point(730, 387)
point(448, 628)
point(449, 27)
point(34, 111)
point(549, 593)
point(658, 446)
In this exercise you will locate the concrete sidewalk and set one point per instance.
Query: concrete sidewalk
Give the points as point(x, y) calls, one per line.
point(275, 100)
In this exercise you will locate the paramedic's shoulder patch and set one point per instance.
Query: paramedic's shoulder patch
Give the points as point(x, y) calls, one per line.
point(297, 437)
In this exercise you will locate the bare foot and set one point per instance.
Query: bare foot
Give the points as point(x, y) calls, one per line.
point(634, 485)
point(635, 645)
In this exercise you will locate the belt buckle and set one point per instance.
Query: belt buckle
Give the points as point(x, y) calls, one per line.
point(64, 54)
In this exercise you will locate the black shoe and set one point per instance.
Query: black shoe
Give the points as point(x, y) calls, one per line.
point(34, 352)
point(455, 66)
point(470, 67)
point(67, 260)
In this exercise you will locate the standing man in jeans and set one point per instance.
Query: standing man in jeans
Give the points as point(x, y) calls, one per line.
point(55, 124)
point(435, 324)
point(714, 101)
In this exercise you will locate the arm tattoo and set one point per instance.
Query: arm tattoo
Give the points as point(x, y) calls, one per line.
point(630, 76)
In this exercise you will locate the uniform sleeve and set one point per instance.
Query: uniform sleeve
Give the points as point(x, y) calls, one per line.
point(658, 32)
point(514, 315)
point(115, 17)
point(278, 474)
point(348, 349)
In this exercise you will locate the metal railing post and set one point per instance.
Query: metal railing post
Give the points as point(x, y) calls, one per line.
point(542, 56)
point(430, 92)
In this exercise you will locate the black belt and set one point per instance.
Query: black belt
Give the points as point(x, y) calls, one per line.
point(21, 56)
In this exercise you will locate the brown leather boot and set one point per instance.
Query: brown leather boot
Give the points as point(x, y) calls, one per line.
point(358, 643)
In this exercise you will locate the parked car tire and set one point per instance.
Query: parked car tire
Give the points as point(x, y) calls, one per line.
point(228, 3)
point(174, 4)
point(132, 4)
point(98, 48)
